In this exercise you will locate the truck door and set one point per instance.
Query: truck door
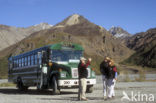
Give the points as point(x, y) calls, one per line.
point(42, 69)
point(39, 69)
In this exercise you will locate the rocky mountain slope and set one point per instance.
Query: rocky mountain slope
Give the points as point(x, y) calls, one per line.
point(11, 35)
point(145, 45)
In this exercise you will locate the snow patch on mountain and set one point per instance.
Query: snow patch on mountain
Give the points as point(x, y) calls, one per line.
point(120, 35)
point(119, 32)
point(44, 25)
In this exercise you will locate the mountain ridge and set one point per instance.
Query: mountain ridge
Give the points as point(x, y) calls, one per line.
point(144, 43)
point(11, 35)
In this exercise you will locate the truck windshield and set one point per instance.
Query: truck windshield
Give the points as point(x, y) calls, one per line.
point(65, 55)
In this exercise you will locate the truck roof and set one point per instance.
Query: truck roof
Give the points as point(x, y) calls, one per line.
point(57, 46)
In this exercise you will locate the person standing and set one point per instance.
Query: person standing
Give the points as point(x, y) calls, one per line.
point(111, 79)
point(83, 74)
point(104, 66)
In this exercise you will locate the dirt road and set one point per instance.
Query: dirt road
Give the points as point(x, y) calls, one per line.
point(12, 95)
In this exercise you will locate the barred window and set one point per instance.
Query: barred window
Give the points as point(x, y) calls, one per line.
point(22, 62)
point(40, 59)
point(28, 60)
point(32, 59)
point(35, 59)
point(19, 62)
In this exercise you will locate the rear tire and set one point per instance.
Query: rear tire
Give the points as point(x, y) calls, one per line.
point(20, 85)
point(89, 89)
point(56, 90)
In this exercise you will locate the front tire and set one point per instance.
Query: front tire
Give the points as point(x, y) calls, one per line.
point(55, 88)
point(89, 89)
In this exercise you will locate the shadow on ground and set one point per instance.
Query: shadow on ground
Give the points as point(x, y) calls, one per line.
point(33, 92)
point(71, 98)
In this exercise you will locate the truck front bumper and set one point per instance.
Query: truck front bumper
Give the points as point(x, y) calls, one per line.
point(75, 82)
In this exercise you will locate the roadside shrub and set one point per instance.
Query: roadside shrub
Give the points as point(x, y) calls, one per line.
point(127, 78)
point(142, 76)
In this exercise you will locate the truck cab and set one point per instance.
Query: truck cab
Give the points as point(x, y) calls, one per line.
point(65, 60)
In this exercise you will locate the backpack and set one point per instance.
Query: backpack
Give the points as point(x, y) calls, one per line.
point(103, 67)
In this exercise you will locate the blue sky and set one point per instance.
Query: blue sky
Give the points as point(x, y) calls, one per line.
point(132, 15)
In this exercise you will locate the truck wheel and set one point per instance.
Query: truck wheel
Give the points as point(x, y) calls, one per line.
point(20, 85)
point(44, 87)
point(89, 89)
point(55, 88)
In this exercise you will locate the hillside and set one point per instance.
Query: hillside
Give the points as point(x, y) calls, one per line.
point(11, 35)
point(97, 42)
point(145, 45)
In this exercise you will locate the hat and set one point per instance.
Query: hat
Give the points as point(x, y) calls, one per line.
point(82, 58)
point(107, 58)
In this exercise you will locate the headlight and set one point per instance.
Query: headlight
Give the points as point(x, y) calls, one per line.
point(44, 70)
point(93, 73)
point(63, 75)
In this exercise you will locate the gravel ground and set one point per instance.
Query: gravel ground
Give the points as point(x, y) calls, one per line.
point(12, 95)
point(3, 81)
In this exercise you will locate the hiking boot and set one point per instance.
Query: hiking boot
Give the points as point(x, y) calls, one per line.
point(84, 99)
point(108, 98)
point(104, 97)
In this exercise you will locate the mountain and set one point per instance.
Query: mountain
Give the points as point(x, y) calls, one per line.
point(119, 32)
point(11, 35)
point(96, 40)
point(71, 20)
point(144, 44)
point(78, 25)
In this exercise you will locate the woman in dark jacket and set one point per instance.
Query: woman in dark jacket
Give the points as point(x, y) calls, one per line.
point(104, 66)
point(112, 77)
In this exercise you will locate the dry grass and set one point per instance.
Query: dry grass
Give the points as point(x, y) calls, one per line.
point(135, 69)
point(127, 78)
point(141, 77)
point(7, 84)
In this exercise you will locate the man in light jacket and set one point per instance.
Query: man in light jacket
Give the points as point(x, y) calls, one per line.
point(83, 74)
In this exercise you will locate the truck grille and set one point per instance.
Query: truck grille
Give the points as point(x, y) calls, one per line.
point(75, 72)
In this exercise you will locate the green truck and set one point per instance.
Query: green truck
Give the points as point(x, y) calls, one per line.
point(50, 67)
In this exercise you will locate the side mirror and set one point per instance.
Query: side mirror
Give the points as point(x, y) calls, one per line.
point(48, 53)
